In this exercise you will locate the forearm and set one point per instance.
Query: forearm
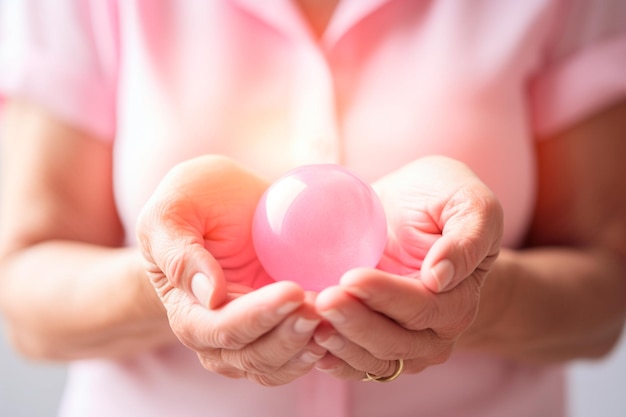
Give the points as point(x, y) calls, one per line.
point(550, 305)
point(65, 300)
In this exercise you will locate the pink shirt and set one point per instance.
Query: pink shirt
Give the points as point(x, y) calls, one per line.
point(390, 81)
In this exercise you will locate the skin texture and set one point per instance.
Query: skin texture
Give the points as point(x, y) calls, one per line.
point(562, 297)
point(176, 231)
point(204, 245)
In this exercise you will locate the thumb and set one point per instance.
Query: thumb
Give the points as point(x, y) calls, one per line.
point(448, 263)
point(192, 268)
point(469, 243)
point(184, 262)
point(209, 292)
point(207, 284)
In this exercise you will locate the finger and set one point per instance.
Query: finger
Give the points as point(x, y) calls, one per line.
point(235, 324)
point(213, 363)
point(177, 252)
point(347, 360)
point(409, 303)
point(338, 368)
point(278, 346)
point(470, 239)
point(376, 333)
point(248, 317)
point(296, 367)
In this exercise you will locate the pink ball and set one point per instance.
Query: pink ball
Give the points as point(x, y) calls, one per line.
point(315, 223)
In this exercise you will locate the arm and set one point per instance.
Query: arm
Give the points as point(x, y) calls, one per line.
point(565, 295)
point(66, 289)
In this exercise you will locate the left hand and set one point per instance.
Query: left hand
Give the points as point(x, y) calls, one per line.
point(445, 228)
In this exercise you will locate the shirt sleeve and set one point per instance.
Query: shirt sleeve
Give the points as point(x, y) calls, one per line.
point(63, 55)
point(584, 69)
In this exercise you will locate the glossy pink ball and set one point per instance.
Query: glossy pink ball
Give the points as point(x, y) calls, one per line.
point(315, 223)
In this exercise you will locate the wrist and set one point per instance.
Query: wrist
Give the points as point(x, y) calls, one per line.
point(496, 299)
point(144, 323)
point(143, 295)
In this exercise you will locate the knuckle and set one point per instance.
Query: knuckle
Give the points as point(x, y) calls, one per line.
point(266, 380)
point(390, 351)
point(160, 283)
point(425, 313)
point(226, 339)
point(260, 318)
point(421, 318)
point(220, 368)
point(251, 361)
point(472, 250)
point(174, 264)
point(488, 222)
point(479, 199)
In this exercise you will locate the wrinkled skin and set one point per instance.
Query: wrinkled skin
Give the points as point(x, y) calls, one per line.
point(445, 229)
point(194, 234)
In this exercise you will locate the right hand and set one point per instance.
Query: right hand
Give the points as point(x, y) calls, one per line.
point(195, 236)
point(444, 233)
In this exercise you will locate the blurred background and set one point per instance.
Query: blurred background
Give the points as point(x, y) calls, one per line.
point(595, 389)
point(27, 389)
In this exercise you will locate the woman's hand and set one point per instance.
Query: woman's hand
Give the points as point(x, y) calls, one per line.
point(194, 234)
point(445, 228)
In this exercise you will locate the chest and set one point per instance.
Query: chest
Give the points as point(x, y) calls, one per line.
point(388, 92)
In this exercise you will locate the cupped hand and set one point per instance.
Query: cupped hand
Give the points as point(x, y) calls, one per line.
point(445, 229)
point(194, 235)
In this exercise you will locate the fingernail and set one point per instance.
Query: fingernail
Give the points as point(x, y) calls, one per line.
point(334, 316)
point(443, 272)
point(310, 357)
point(201, 288)
point(288, 307)
point(359, 293)
point(303, 325)
point(321, 368)
point(333, 343)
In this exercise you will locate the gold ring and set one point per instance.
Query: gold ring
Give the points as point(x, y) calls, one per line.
point(398, 371)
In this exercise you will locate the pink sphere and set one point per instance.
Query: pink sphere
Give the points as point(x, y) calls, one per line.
point(315, 223)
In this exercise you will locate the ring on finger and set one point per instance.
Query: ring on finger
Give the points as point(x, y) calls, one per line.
point(396, 374)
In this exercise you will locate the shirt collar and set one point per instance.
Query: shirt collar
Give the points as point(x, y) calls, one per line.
point(284, 16)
